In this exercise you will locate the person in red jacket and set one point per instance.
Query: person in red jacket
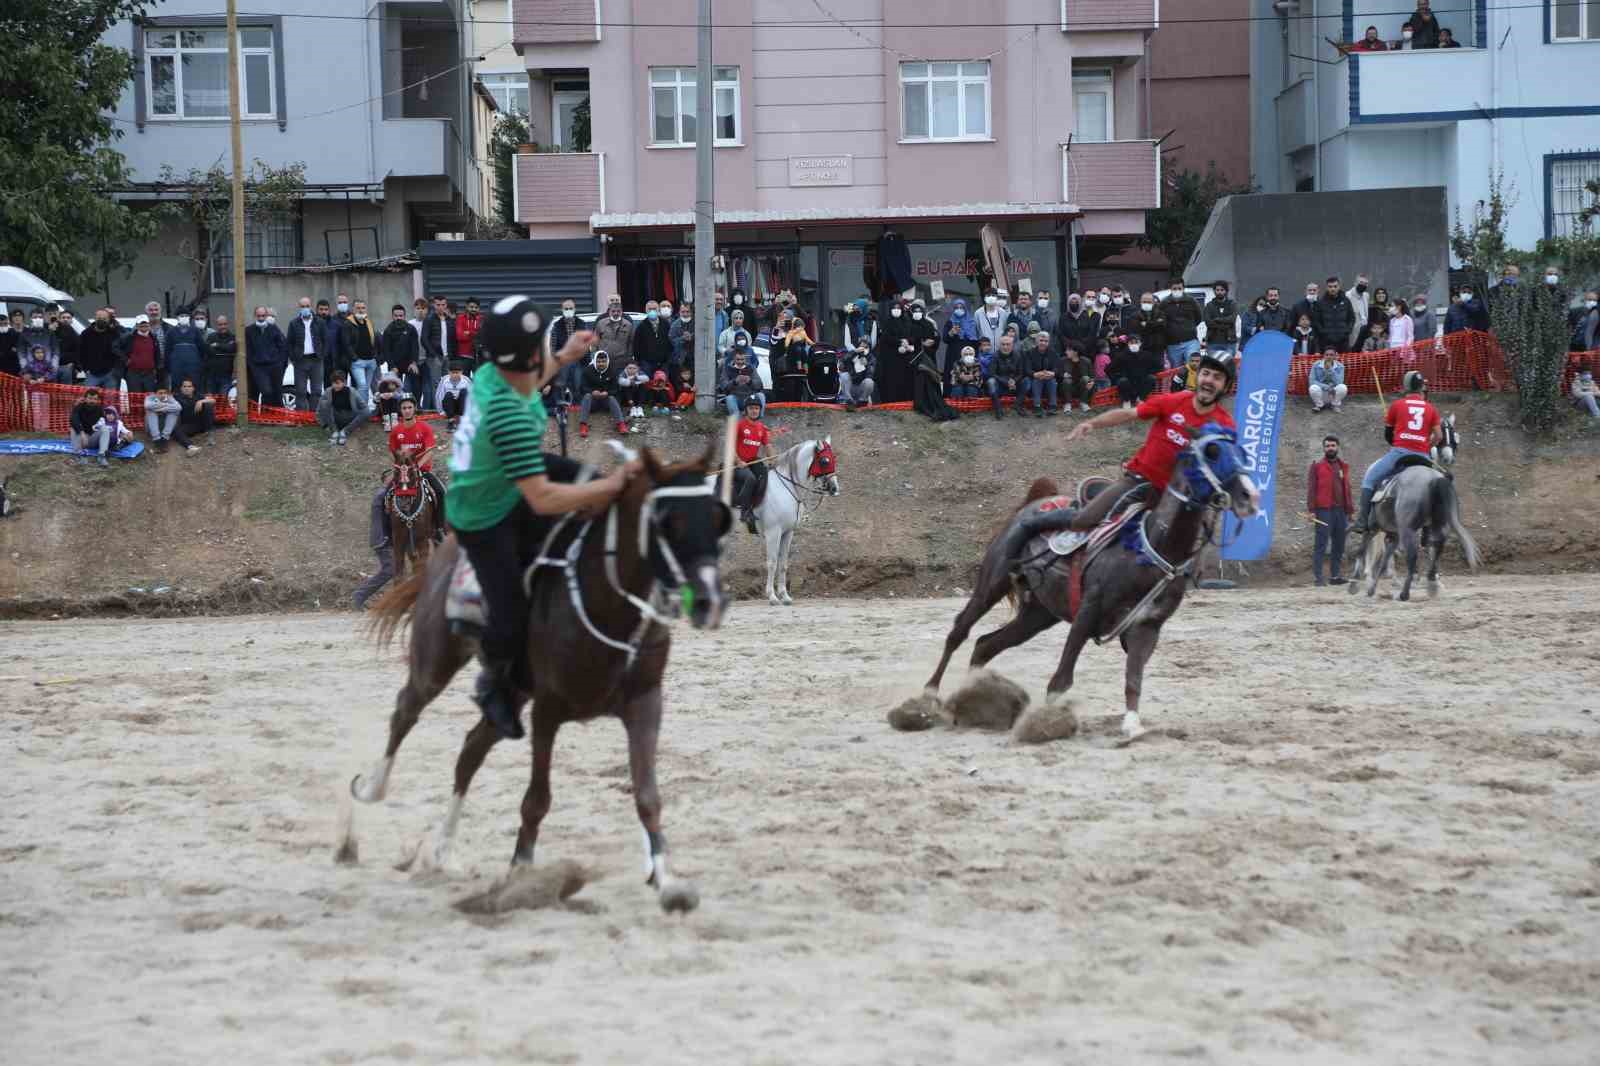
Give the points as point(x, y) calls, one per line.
point(1328, 500)
point(467, 330)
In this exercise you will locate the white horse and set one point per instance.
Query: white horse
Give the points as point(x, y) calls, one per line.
point(790, 496)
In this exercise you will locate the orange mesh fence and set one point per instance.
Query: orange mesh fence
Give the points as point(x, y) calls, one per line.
point(1455, 363)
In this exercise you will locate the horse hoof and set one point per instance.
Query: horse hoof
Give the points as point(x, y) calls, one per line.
point(774, 601)
point(1352, 586)
point(786, 601)
point(679, 897)
point(1433, 590)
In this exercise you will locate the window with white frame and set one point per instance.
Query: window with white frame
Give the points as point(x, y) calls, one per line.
point(1569, 195)
point(944, 101)
point(186, 72)
point(1093, 113)
point(673, 102)
point(1575, 20)
point(510, 92)
point(269, 241)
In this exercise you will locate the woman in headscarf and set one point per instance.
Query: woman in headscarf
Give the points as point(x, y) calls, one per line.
point(924, 338)
point(895, 350)
point(927, 391)
point(960, 331)
point(859, 323)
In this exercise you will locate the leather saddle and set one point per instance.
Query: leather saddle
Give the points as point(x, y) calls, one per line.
point(1386, 490)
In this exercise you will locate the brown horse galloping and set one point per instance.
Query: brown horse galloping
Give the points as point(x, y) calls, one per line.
point(413, 515)
point(596, 644)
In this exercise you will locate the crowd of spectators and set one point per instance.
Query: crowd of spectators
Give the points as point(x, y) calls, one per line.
point(1421, 30)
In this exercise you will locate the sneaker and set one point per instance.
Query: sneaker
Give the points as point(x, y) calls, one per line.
point(583, 430)
point(333, 438)
point(102, 461)
point(1084, 408)
point(192, 448)
point(1336, 580)
point(1126, 406)
point(452, 424)
point(344, 438)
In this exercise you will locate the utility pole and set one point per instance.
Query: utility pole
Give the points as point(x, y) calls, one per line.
point(705, 314)
point(241, 313)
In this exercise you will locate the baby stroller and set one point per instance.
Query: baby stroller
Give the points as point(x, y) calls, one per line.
point(822, 375)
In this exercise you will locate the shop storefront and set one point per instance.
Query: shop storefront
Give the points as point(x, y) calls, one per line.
point(828, 264)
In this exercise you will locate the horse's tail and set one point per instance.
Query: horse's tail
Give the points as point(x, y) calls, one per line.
point(395, 607)
point(1446, 508)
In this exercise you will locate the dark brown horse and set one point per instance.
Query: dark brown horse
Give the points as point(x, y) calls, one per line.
point(596, 644)
point(1128, 590)
point(413, 515)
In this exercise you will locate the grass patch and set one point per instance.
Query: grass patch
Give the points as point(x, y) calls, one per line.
point(278, 502)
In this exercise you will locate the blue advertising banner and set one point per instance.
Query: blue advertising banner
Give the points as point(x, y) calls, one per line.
point(1258, 410)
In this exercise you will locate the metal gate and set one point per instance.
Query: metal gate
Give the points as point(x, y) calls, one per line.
point(549, 271)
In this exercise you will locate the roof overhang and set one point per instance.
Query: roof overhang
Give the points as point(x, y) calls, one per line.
point(817, 218)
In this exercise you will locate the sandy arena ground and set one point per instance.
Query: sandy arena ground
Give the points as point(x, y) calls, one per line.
point(1375, 841)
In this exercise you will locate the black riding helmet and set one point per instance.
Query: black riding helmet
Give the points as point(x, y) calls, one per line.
point(1414, 381)
point(1219, 363)
point(513, 333)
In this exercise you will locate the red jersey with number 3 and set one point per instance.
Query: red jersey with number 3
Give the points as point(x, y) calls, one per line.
point(412, 440)
point(752, 435)
point(1414, 420)
point(1169, 414)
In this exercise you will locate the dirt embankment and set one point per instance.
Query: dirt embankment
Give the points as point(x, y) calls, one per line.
point(276, 518)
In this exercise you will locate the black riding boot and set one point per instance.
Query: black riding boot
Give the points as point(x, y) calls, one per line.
point(496, 697)
point(747, 492)
point(1365, 514)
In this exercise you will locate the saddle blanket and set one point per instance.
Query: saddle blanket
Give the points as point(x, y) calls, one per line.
point(1067, 541)
point(131, 450)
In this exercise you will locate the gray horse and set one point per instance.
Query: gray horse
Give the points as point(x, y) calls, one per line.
point(1421, 497)
point(1127, 590)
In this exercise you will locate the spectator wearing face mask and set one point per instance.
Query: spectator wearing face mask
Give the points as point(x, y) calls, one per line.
point(141, 357)
point(1044, 311)
point(990, 321)
point(960, 332)
point(1552, 281)
point(925, 338)
point(1402, 331)
point(630, 389)
point(1585, 324)
point(1116, 315)
point(1150, 323)
point(1585, 393)
point(1422, 320)
point(681, 334)
point(1467, 312)
point(1361, 304)
point(37, 334)
point(1408, 38)
point(1183, 315)
point(856, 370)
point(1007, 377)
point(894, 355)
point(361, 341)
point(1133, 372)
point(966, 380)
point(860, 323)
point(1076, 326)
point(186, 350)
point(97, 352)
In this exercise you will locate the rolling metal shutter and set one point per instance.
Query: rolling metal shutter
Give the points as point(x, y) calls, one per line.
point(548, 271)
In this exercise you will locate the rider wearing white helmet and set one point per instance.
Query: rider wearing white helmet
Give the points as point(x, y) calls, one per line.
point(503, 488)
point(1412, 427)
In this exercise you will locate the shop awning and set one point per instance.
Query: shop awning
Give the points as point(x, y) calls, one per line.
point(827, 216)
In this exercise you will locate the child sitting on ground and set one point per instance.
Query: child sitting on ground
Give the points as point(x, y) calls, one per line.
point(387, 399)
point(109, 434)
point(685, 398)
point(1102, 365)
point(967, 380)
point(630, 388)
point(658, 393)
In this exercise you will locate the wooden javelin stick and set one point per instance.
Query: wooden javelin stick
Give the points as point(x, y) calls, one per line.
point(727, 460)
point(1378, 383)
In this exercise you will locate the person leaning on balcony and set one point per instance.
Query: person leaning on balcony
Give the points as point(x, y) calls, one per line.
point(1370, 43)
point(613, 330)
point(1447, 39)
point(1408, 39)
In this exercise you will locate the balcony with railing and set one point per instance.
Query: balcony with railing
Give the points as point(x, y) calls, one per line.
point(542, 22)
point(1111, 175)
point(559, 186)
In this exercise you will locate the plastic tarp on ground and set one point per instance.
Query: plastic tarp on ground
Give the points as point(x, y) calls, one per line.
point(131, 450)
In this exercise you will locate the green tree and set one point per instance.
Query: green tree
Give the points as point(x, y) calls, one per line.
point(206, 204)
point(1483, 246)
point(509, 132)
point(58, 84)
point(1187, 199)
point(1532, 329)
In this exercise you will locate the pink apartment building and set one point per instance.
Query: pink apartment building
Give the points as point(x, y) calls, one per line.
point(834, 126)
